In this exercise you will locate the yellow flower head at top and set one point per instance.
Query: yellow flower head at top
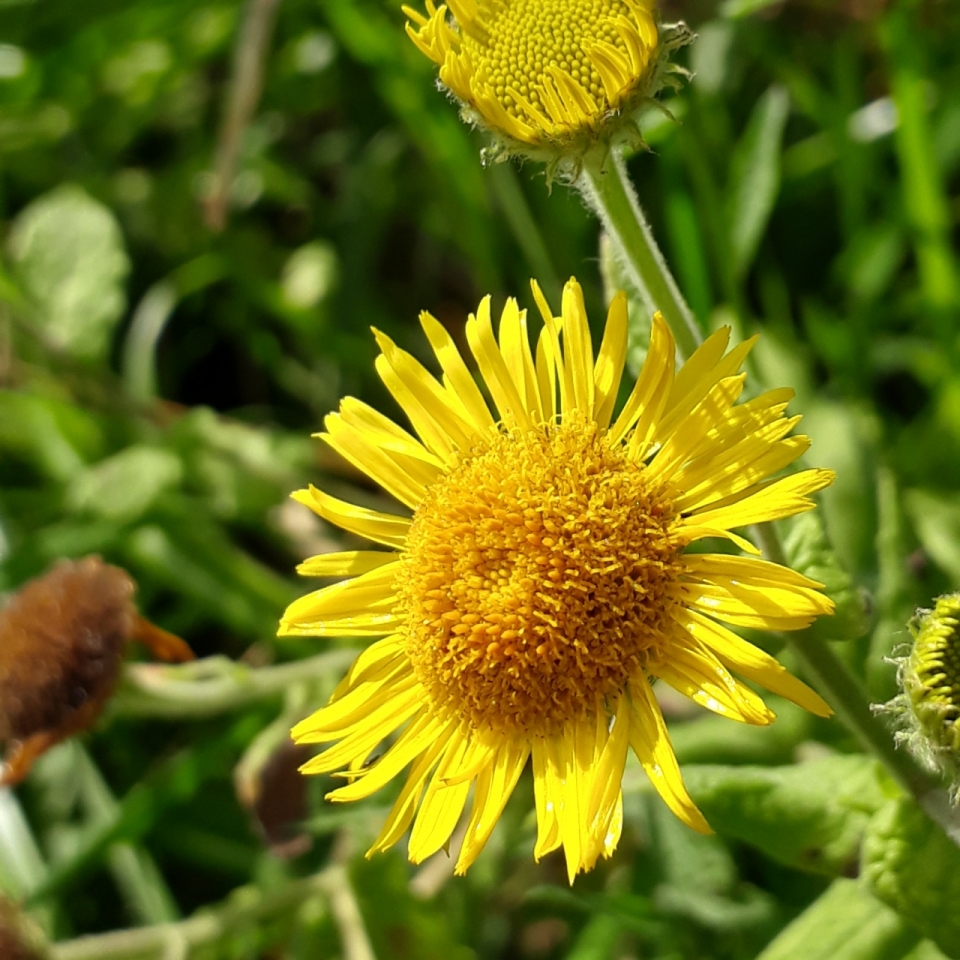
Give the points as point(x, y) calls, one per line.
point(541, 583)
point(547, 76)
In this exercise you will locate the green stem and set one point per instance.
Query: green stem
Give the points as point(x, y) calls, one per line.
point(215, 685)
point(605, 185)
point(607, 188)
point(844, 694)
point(247, 907)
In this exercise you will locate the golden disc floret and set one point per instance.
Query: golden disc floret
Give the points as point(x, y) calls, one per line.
point(535, 578)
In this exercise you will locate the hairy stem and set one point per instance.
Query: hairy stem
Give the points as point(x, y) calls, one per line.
point(607, 188)
point(605, 185)
point(844, 693)
point(215, 685)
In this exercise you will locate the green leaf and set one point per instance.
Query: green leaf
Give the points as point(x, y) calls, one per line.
point(713, 739)
point(56, 437)
point(845, 439)
point(126, 485)
point(910, 864)
point(71, 263)
point(755, 176)
point(598, 940)
point(845, 923)
point(734, 9)
point(809, 551)
point(810, 815)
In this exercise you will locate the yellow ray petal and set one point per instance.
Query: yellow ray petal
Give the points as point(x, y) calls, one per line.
point(339, 717)
point(736, 476)
point(768, 589)
point(744, 608)
point(675, 452)
point(782, 498)
point(442, 805)
point(548, 796)
point(494, 786)
point(746, 419)
point(479, 756)
point(349, 563)
point(578, 752)
point(647, 399)
point(404, 809)
point(697, 367)
point(614, 827)
point(418, 392)
point(691, 669)
point(578, 350)
point(384, 433)
point(605, 812)
point(690, 531)
point(377, 726)
point(679, 406)
point(752, 662)
point(515, 348)
point(610, 360)
point(651, 743)
point(374, 591)
point(422, 732)
point(732, 452)
point(760, 573)
point(484, 347)
point(379, 527)
point(461, 380)
point(401, 477)
point(547, 376)
point(373, 663)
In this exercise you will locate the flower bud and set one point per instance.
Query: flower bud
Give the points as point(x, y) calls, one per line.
point(550, 79)
point(928, 706)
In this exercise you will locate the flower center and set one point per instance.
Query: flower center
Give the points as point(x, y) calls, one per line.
point(514, 44)
point(534, 579)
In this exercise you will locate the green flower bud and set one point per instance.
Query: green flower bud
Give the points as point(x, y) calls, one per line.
point(928, 707)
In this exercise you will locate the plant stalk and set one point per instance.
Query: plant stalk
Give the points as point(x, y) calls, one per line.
point(607, 188)
point(247, 907)
point(844, 693)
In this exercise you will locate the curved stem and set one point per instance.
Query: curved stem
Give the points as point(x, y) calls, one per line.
point(605, 185)
point(844, 694)
point(607, 188)
point(214, 685)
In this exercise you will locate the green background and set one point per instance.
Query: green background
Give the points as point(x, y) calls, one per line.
point(160, 378)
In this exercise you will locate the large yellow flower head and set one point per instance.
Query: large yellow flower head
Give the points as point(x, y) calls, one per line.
point(542, 582)
point(547, 76)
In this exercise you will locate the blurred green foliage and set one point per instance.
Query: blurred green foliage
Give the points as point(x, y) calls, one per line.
point(160, 379)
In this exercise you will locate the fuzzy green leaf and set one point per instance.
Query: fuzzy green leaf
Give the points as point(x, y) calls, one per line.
point(809, 551)
point(811, 815)
point(846, 923)
point(911, 865)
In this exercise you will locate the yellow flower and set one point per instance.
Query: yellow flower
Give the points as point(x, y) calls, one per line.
point(541, 584)
point(560, 74)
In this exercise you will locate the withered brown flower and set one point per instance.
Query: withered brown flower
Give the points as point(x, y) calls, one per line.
point(62, 640)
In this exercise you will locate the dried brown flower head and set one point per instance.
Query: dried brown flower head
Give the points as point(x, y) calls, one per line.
point(62, 640)
point(15, 940)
